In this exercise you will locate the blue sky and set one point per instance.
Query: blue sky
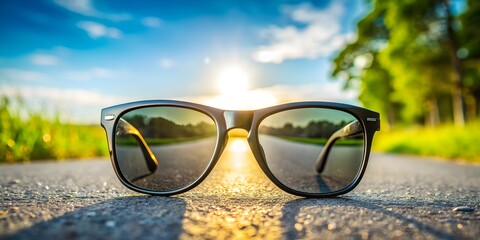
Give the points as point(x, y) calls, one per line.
point(77, 56)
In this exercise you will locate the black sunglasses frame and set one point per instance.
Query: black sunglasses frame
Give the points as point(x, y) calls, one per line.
point(226, 120)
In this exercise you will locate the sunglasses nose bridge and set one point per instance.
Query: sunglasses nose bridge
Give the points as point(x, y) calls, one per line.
point(238, 119)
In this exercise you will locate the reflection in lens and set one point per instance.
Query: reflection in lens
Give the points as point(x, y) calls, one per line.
point(293, 141)
point(164, 148)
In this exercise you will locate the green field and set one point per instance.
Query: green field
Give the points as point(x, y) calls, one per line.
point(156, 141)
point(26, 135)
point(322, 141)
point(448, 142)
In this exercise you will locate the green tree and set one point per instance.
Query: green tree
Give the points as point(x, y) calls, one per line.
point(359, 61)
point(407, 60)
point(417, 58)
point(469, 53)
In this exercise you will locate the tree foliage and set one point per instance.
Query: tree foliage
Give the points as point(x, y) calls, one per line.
point(314, 129)
point(416, 61)
point(159, 127)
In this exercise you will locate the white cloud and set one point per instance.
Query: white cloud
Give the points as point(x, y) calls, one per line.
point(61, 51)
point(166, 63)
point(152, 22)
point(96, 30)
point(79, 6)
point(91, 74)
point(60, 95)
point(320, 37)
point(327, 91)
point(44, 59)
point(14, 74)
point(86, 8)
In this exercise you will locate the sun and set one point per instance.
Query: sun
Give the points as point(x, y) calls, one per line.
point(233, 80)
point(235, 93)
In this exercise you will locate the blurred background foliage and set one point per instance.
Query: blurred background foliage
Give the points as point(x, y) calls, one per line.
point(416, 62)
point(26, 134)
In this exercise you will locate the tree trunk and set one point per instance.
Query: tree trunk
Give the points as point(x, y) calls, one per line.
point(391, 117)
point(457, 95)
point(433, 115)
point(471, 106)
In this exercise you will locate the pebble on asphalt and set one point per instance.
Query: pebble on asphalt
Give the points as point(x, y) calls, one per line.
point(463, 209)
point(110, 224)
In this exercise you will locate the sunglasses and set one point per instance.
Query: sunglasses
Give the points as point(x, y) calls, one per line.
point(310, 149)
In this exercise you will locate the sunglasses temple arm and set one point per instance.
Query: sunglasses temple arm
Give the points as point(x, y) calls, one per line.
point(353, 129)
point(150, 158)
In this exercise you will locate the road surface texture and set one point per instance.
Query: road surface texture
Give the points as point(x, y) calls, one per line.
point(399, 197)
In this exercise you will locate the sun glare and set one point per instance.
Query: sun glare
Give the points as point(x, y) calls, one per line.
point(238, 147)
point(233, 80)
point(233, 84)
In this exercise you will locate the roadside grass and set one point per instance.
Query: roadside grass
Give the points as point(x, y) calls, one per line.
point(157, 141)
point(323, 141)
point(447, 141)
point(26, 134)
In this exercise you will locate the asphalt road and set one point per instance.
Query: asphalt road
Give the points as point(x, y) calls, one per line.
point(178, 164)
point(399, 197)
point(291, 162)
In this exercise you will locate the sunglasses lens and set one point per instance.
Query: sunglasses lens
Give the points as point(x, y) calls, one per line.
point(313, 150)
point(164, 148)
